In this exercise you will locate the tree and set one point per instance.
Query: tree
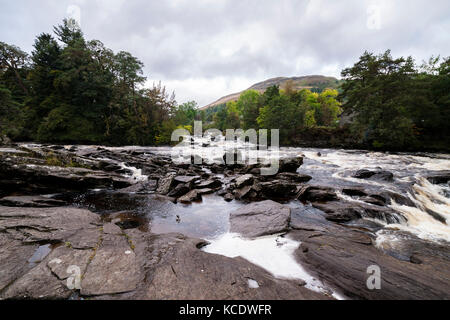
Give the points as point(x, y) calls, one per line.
point(13, 59)
point(248, 106)
point(379, 89)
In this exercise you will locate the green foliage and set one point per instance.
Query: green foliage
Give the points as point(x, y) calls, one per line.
point(79, 91)
point(394, 104)
point(288, 110)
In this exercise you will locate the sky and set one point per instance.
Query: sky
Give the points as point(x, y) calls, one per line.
point(205, 49)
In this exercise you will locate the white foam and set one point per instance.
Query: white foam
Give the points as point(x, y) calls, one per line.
point(136, 174)
point(273, 253)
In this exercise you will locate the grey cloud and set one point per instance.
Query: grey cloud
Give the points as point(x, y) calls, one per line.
point(209, 39)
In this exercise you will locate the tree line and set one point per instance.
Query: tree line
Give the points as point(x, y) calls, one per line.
point(383, 103)
point(74, 90)
point(71, 90)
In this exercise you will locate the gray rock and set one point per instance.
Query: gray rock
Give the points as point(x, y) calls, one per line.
point(165, 184)
point(341, 255)
point(113, 270)
point(45, 224)
point(192, 195)
point(290, 164)
point(31, 201)
point(295, 177)
point(316, 193)
point(374, 175)
point(242, 193)
point(245, 180)
point(276, 189)
point(228, 197)
point(179, 190)
point(212, 184)
point(260, 218)
point(186, 179)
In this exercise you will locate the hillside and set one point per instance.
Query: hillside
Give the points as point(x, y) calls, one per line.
point(314, 82)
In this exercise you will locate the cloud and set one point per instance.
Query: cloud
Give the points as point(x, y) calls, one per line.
point(208, 48)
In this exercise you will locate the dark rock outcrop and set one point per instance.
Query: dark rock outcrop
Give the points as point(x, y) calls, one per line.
point(260, 218)
point(374, 175)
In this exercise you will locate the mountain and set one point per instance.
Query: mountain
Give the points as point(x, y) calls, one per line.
point(314, 82)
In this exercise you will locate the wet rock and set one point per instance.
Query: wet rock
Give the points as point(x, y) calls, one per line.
point(374, 175)
point(142, 187)
point(192, 195)
point(113, 270)
point(30, 178)
point(31, 201)
point(290, 164)
point(358, 192)
point(316, 194)
point(212, 184)
point(373, 200)
point(14, 256)
point(63, 257)
point(345, 212)
point(38, 283)
point(341, 257)
point(242, 193)
point(33, 225)
point(294, 177)
point(165, 184)
point(245, 180)
point(260, 218)
point(178, 269)
point(179, 190)
point(276, 189)
point(205, 191)
point(186, 179)
point(442, 177)
point(338, 212)
point(228, 197)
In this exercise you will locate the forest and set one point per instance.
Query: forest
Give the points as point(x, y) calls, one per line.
point(74, 90)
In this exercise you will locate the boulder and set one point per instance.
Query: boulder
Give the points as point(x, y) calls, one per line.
point(212, 184)
point(374, 175)
point(290, 164)
point(179, 190)
point(165, 184)
point(294, 177)
point(442, 177)
point(244, 180)
point(316, 194)
point(340, 256)
point(192, 195)
point(260, 218)
point(276, 189)
point(186, 179)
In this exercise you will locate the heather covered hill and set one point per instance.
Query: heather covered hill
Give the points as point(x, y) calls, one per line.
point(315, 83)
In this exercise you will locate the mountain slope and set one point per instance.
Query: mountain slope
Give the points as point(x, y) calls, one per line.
point(305, 82)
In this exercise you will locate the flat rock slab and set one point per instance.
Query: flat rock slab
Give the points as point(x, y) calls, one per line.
point(173, 267)
point(45, 224)
point(260, 218)
point(341, 255)
point(31, 201)
point(113, 270)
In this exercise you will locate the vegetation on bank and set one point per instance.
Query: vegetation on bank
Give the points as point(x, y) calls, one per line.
point(71, 90)
point(383, 103)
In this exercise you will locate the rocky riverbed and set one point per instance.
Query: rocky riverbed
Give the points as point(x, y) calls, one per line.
point(92, 222)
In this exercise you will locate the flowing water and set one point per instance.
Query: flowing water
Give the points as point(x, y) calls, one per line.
point(427, 214)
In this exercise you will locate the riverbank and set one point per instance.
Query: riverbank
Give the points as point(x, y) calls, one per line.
point(140, 226)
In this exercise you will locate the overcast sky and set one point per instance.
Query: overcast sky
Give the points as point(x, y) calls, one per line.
point(204, 49)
